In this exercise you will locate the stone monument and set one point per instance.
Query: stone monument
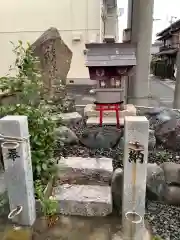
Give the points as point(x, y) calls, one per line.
point(55, 60)
point(16, 153)
point(135, 172)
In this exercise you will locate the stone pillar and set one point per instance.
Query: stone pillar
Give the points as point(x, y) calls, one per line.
point(176, 103)
point(18, 167)
point(142, 20)
point(134, 179)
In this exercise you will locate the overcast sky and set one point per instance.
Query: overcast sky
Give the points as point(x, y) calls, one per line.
point(163, 9)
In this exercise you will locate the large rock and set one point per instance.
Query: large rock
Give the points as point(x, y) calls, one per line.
point(152, 111)
point(66, 135)
point(168, 133)
point(69, 104)
point(171, 172)
point(166, 123)
point(117, 188)
point(159, 116)
point(2, 182)
point(65, 105)
point(101, 138)
point(152, 140)
point(163, 183)
point(160, 113)
point(71, 117)
point(55, 59)
point(155, 182)
point(172, 195)
point(6, 99)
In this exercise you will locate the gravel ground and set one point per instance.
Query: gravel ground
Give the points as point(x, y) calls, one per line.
point(164, 219)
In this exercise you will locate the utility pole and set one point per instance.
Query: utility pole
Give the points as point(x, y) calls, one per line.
point(176, 103)
point(172, 19)
point(141, 34)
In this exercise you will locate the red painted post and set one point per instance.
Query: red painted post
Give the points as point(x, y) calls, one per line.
point(117, 115)
point(101, 115)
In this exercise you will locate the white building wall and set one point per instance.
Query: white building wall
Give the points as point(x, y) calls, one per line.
point(27, 20)
point(111, 23)
point(154, 49)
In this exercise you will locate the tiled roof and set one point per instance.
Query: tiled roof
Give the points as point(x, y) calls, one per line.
point(173, 27)
point(106, 54)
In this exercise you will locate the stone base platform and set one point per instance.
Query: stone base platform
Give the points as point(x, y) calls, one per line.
point(94, 171)
point(68, 118)
point(83, 200)
point(111, 121)
point(89, 111)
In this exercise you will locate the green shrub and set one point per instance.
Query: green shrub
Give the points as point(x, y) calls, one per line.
point(27, 86)
point(49, 206)
point(156, 238)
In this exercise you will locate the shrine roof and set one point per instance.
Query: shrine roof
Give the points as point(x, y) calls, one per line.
point(110, 54)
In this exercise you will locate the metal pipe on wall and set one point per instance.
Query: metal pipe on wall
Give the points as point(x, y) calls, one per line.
point(129, 20)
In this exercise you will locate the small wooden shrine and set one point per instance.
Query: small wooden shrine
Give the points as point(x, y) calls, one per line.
point(110, 64)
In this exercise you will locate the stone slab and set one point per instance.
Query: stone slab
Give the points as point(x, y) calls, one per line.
point(71, 117)
point(90, 111)
point(83, 200)
point(67, 118)
point(96, 171)
point(106, 121)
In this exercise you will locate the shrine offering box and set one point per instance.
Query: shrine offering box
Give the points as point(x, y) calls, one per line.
point(109, 64)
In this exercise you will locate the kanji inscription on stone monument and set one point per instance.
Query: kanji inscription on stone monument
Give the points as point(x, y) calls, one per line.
point(136, 153)
point(13, 154)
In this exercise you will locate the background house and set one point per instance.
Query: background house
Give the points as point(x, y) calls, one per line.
point(170, 39)
point(155, 47)
point(170, 43)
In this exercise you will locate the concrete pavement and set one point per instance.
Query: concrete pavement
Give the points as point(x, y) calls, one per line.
point(81, 93)
point(162, 93)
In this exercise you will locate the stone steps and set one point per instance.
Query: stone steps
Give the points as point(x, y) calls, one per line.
point(93, 171)
point(84, 186)
point(83, 200)
point(111, 121)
